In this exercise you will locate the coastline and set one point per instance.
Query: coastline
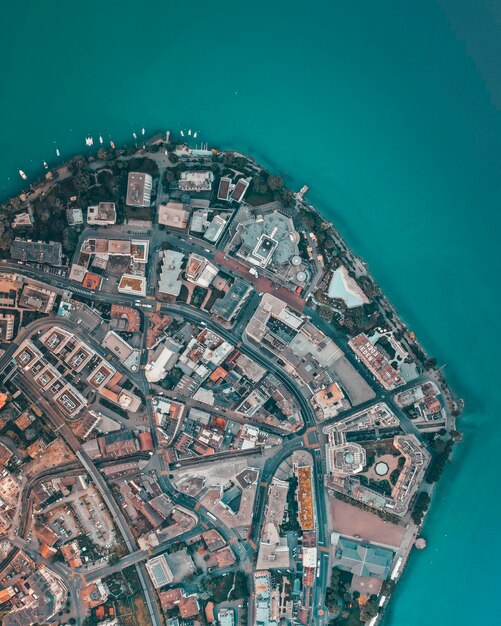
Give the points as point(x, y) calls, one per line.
point(455, 404)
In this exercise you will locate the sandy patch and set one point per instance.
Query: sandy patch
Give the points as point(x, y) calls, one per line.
point(352, 521)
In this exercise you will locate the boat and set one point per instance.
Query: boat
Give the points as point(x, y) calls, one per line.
point(112, 144)
point(22, 174)
point(134, 135)
point(45, 165)
point(189, 132)
point(195, 134)
point(100, 139)
point(57, 152)
point(142, 131)
point(182, 134)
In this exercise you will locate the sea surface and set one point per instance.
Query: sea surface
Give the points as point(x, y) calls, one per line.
point(389, 111)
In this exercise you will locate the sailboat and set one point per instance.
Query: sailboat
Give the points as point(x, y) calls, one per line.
point(100, 139)
point(142, 131)
point(57, 152)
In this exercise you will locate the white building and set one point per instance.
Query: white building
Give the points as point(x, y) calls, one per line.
point(159, 571)
point(104, 214)
point(200, 270)
point(139, 186)
point(170, 281)
point(196, 180)
point(163, 359)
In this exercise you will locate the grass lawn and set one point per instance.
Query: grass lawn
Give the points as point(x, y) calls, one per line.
point(353, 618)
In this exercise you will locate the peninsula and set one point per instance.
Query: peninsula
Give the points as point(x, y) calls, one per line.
point(209, 411)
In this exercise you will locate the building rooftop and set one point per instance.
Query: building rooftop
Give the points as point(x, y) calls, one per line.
point(102, 214)
point(363, 559)
point(215, 228)
point(240, 190)
point(174, 215)
point(196, 180)
point(306, 513)
point(50, 253)
point(170, 282)
point(268, 238)
point(130, 283)
point(224, 188)
point(227, 307)
point(139, 187)
point(159, 571)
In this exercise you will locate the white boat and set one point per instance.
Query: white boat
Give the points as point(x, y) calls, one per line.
point(100, 139)
point(22, 174)
point(45, 165)
point(134, 135)
point(89, 141)
point(182, 134)
point(142, 131)
point(57, 152)
point(189, 132)
point(195, 134)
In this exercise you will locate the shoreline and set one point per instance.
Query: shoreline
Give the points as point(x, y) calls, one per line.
point(454, 403)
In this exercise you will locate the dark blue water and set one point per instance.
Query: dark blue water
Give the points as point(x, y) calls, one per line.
point(389, 111)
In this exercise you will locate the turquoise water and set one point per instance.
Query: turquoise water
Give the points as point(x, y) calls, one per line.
point(390, 114)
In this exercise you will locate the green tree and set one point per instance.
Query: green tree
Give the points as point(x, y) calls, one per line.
point(275, 182)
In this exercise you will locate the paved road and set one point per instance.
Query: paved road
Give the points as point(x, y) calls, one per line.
point(264, 358)
point(51, 413)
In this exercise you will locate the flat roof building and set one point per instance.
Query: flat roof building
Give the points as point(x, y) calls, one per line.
point(239, 190)
point(74, 217)
point(125, 353)
point(200, 270)
point(139, 186)
point(50, 253)
point(159, 571)
point(226, 617)
point(37, 297)
point(22, 220)
point(173, 215)
point(267, 239)
point(215, 228)
point(163, 359)
point(196, 181)
point(6, 326)
point(306, 513)
point(230, 304)
point(223, 190)
point(103, 214)
point(170, 282)
point(376, 362)
point(135, 285)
